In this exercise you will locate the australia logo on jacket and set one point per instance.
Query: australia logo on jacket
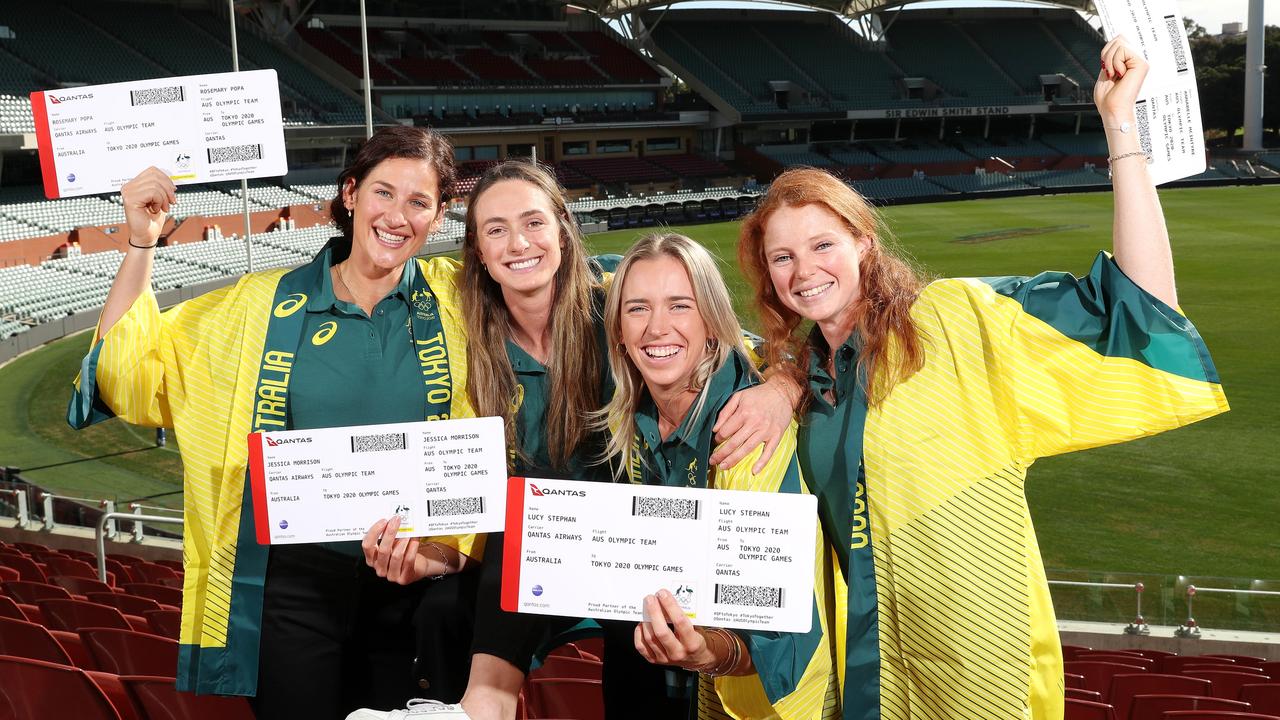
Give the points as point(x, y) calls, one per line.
point(424, 304)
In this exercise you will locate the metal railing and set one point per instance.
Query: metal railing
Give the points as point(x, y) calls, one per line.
point(1189, 628)
point(20, 502)
point(110, 518)
point(46, 502)
point(137, 516)
point(1139, 625)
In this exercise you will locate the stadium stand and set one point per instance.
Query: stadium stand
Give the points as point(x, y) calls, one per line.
point(940, 51)
point(979, 182)
point(888, 188)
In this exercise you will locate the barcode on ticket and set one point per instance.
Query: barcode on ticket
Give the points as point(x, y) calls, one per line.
point(1173, 26)
point(157, 96)
point(455, 506)
point(377, 443)
point(1144, 128)
point(234, 153)
point(673, 508)
point(749, 595)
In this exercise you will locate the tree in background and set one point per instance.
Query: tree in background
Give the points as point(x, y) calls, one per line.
point(1220, 70)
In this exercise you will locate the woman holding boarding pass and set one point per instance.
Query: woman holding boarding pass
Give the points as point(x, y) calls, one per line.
point(937, 397)
point(363, 334)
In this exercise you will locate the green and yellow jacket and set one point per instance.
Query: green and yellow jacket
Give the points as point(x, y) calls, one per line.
point(216, 368)
point(941, 607)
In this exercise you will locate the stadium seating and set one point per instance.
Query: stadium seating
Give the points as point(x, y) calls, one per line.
point(1227, 683)
point(127, 652)
point(939, 51)
point(19, 638)
point(890, 188)
point(1154, 706)
point(980, 182)
point(852, 75)
point(158, 699)
point(1026, 49)
point(32, 689)
point(1087, 710)
point(1125, 686)
point(1098, 674)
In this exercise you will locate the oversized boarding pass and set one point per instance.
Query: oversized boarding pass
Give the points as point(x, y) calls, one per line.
point(197, 128)
point(732, 559)
point(1169, 126)
point(442, 477)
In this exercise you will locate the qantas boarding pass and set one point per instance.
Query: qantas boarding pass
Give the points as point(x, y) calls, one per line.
point(198, 129)
point(733, 559)
point(1169, 127)
point(442, 477)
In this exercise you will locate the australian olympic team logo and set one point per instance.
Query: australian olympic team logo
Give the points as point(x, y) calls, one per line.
point(290, 305)
point(326, 332)
point(517, 398)
point(424, 304)
point(693, 473)
point(684, 596)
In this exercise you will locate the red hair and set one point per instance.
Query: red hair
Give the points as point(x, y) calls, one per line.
point(889, 284)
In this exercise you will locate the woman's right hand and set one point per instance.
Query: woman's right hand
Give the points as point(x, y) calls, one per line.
point(147, 199)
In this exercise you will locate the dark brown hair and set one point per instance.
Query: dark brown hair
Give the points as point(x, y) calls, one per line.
point(889, 284)
point(395, 141)
point(573, 370)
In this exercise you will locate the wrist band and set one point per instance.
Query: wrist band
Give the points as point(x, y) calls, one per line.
point(142, 247)
point(733, 658)
point(1112, 160)
point(443, 560)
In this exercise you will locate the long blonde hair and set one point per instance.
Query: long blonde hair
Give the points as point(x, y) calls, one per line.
point(889, 285)
point(724, 336)
point(573, 371)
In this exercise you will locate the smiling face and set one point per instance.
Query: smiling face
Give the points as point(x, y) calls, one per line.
point(393, 209)
point(661, 325)
point(813, 262)
point(518, 236)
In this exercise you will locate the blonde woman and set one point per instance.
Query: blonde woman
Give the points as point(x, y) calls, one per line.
point(675, 353)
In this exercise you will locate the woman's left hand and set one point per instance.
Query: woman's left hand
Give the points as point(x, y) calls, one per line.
point(1119, 81)
point(668, 638)
point(755, 416)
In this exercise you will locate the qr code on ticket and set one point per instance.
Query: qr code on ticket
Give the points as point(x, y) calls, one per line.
point(234, 153)
point(157, 96)
point(455, 506)
point(673, 508)
point(377, 443)
point(749, 595)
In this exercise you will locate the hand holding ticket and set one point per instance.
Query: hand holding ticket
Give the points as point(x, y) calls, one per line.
point(199, 128)
point(731, 559)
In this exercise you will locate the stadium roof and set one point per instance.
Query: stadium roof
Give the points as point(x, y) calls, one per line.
point(848, 8)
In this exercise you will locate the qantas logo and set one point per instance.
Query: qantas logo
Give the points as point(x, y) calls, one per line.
point(543, 492)
point(285, 441)
point(54, 99)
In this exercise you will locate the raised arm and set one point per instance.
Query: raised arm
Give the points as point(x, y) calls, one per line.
point(147, 199)
point(1139, 236)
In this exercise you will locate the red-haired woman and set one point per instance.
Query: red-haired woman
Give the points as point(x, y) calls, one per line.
point(929, 402)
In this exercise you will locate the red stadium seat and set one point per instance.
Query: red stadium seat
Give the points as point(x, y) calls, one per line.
point(1079, 694)
point(1122, 658)
point(70, 642)
point(35, 689)
point(120, 570)
point(8, 574)
point(1154, 654)
point(1097, 674)
point(9, 609)
point(567, 698)
point(116, 694)
point(1153, 707)
point(1197, 667)
point(1262, 697)
point(1086, 710)
point(125, 652)
point(19, 638)
point(126, 603)
point(71, 615)
point(1227, 684)
point(160, 700)
point(83, 555)
point(1251, 660)
point(30, 547)
point(25, 566)
point(160, 593)
point(1069, 652)
point(31, 593)
point(1175, 663)
point(1074, 680)
point(1215, 715)
point(1271, 667)
point(166, 623)
point(62, 565)
point(77, 585)
point(158, 574)
point(559, 666)
point(1124, 687)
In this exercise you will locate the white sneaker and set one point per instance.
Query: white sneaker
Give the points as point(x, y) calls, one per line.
point(417, 708)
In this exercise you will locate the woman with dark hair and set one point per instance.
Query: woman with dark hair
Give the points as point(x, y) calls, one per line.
point(533, 304)
point(929, 401)
point(365, 333)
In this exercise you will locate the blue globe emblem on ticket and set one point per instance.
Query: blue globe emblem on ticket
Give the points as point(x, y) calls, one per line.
point(537, 591)
point(284, 524)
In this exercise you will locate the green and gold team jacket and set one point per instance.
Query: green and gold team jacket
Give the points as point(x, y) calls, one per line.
point(794, 671)
point(218, 367)
point(941, 607)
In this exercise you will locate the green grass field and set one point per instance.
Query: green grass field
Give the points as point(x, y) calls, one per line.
point(1200, 501)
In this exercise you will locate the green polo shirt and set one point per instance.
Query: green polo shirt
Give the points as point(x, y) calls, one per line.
point(829, 447)
point(352, 368)
point(680, 460)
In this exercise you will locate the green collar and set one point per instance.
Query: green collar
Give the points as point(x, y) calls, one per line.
point(695, 429)
point(317, 273)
